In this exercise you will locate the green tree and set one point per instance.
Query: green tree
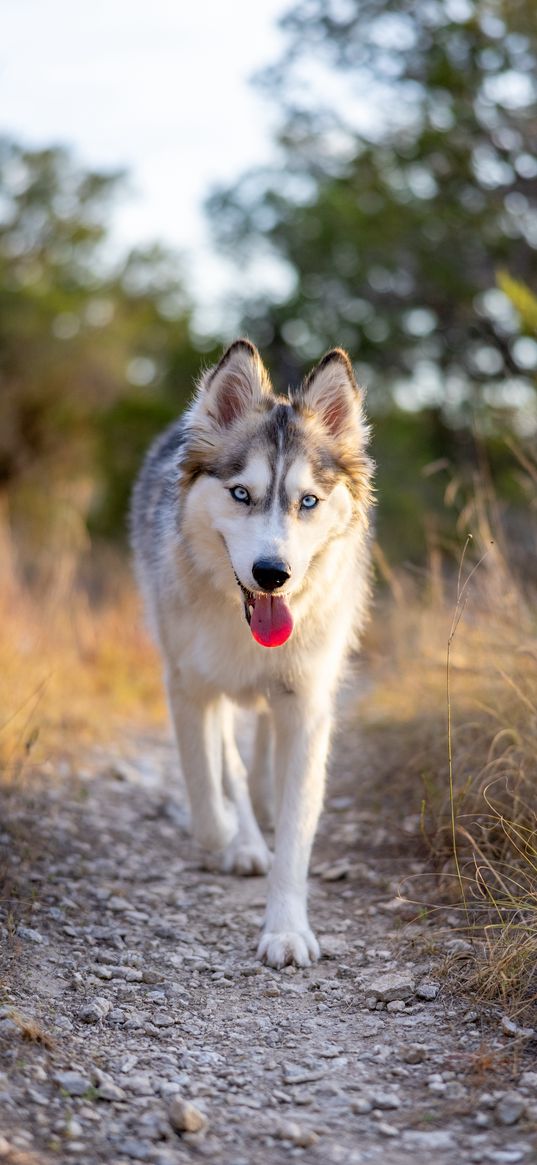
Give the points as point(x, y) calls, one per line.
point(94, 355)
point(397, 195)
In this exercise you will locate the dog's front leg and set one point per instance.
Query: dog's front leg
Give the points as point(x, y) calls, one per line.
point(262, 771)
point(248, 852)
point(198, 731)
point(302, 737)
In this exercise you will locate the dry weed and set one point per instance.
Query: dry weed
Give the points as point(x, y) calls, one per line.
point(30, 1029)
point(454, 694)
point(72, 670)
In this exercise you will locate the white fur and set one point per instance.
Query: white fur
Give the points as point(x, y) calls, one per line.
point(213, 662)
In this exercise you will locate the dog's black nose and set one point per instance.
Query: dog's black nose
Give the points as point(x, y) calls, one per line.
point(270, 574)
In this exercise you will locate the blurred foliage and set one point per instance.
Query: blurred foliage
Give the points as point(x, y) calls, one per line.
point(95, 354)
point(522, 299)
point(405, 177)
point(391, 223)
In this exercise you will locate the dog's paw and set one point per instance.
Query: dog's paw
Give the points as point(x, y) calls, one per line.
point(246, 858)
point(214, 831)
point(281, 947)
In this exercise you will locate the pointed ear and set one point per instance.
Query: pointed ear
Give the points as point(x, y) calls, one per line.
point(238, 383)
point(332, 393)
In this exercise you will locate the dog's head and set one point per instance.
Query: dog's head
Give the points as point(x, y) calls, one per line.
point(276, 479)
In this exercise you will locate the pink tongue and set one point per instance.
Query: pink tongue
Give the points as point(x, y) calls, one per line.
point(271, 622)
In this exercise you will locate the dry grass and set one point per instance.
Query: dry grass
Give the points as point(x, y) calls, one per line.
point(30, 1029)
point(455, 690)
point(72, 671)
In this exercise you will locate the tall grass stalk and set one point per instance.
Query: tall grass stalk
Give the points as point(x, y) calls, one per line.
point(462, 598)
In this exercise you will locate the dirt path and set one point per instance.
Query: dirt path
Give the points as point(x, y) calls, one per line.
point(129, 980)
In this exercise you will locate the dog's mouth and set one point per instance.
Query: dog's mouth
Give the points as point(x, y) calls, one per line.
point(268, 616)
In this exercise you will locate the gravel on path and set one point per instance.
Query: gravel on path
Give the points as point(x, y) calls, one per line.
point(136, 1024)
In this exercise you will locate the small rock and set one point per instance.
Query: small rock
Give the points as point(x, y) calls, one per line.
point(151, 977)
point(413, 1053)
point(31, 935)
point(387, 1130)
point(362, 1105)
point(166, 932)
point(8, 1028)
point(162, 1019)
point(111, 1092)
point(412, 823)
point(38, 1097)
point(73, 1083)
point(118, 904)
point(139, 1084)
point(459, 946)
point(455, 1090)
point(385, 1100)
point(345, 971)
point(129, 974)
point(169, 1088)
point(433, 1139)
point(138, 1019)
point(295, 1075)
point(95, 1010)
point(396, 906)
point(137, 1150)
point(393, 985)
point(511, 1028)
point(340, 804)
point(528, 1080)
point(336, 872)
point(510, 1108)
point(291, 1131)
point(427, 990)
point(154, 1125)
point(334, 946)
point(184, 1117)
point(102, 972)
point(505, 1156)
point(63, 1022)
point(395, 1005)
point(106, 1088)
point(117, 1016)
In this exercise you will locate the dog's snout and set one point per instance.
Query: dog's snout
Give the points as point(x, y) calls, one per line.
point(270, 574)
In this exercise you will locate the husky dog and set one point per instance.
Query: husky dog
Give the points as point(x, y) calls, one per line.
point(249, 528)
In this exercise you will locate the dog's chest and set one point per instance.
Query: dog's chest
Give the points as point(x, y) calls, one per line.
point(213, 646)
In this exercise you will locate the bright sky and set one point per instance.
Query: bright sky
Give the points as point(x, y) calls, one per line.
point(161, 88)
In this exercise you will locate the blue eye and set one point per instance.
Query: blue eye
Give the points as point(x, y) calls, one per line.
point(309, 501)
point(240, 494)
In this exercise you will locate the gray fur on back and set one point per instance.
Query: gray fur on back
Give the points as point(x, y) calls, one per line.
point(154, 504)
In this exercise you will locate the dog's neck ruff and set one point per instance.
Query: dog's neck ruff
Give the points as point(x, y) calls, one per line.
point(268, 617)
